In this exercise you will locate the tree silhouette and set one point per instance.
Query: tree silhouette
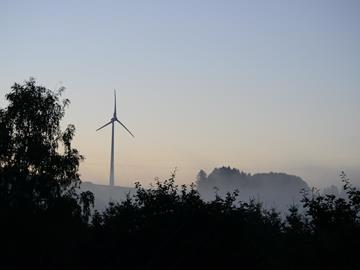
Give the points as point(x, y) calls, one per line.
point(34, 173)
point(39, 201)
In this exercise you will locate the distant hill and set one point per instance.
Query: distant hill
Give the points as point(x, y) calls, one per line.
point(277, 190)
point(104, 193)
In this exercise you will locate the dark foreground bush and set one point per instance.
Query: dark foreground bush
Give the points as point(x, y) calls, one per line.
point(171, 227)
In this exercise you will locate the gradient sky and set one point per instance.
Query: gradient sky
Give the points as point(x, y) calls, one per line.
point(258, 85)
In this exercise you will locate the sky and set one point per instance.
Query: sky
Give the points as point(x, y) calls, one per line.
point(258, 85)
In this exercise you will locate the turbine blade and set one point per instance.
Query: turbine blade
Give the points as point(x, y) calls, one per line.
point(114, 103)
point(104, 126)
point(125, 127)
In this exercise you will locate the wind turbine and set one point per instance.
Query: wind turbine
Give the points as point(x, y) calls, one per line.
point(112, 122)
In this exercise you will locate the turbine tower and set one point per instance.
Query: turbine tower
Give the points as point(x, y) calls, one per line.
point(112, 122)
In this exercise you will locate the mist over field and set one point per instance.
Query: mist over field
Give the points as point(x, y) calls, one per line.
point(277, 191)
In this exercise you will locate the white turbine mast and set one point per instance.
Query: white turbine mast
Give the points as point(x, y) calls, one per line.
point(112, 122)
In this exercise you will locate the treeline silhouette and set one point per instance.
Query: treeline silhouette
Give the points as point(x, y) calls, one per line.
point(46, 223)
point(277, 190)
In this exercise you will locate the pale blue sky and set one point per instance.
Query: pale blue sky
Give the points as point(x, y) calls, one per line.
point(259, 85)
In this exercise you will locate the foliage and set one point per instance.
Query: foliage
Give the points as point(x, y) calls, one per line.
point(171, 225)
point(44, 219)
point(40, 205)
point(35, 175)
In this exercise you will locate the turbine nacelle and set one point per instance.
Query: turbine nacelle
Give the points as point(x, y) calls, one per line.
point(115, 119)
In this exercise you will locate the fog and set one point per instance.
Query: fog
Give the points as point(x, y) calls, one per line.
point(105, 194)
point(274, 190)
